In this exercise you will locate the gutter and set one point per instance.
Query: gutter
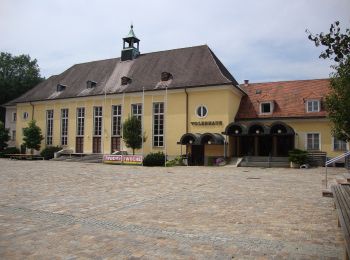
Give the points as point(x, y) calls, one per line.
point(186, 110)
point(32, 109)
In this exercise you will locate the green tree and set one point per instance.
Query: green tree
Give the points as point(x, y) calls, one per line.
point(337, 49)
point(4, 136)
point(132, 133)
point(18, 74)
point(32, 136)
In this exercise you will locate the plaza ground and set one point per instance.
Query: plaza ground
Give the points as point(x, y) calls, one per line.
point(66, 210)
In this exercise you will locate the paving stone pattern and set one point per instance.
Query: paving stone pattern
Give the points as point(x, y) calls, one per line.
point(66, 210)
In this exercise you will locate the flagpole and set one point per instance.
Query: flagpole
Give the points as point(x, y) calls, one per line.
point(142, 118)
point(122, 132)
point(165, 122)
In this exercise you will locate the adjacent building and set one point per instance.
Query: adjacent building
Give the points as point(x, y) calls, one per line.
point(188, 103)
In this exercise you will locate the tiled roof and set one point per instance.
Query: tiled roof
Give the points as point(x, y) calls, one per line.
point(289, 98)
point(189, 67)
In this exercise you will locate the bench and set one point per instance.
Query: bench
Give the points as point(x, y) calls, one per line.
point(24, 157)
point(341, 195)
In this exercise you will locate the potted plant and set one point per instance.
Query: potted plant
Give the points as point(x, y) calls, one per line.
point(297, 157)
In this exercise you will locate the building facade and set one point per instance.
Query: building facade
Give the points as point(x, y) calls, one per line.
point(188, 103)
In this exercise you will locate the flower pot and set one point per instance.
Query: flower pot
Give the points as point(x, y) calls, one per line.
point(294, 165)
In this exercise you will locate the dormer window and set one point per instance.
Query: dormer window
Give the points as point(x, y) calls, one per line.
point(266, 107)
point(126, 80)
point(60, 88)
point(313, 105)
point(165, 76)
point(90, 84)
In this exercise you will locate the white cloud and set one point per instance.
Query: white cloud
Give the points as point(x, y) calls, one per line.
point(257, 40)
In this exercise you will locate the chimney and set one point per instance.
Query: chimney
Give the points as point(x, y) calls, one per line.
point(246, 82)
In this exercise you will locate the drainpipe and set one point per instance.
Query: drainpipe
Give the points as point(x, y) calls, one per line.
point(186, 110)
point(32, 110)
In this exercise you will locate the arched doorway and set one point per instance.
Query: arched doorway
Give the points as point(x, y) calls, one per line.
point(282, 139)
point(194, 148)
point(259, 141)
point(236, 133)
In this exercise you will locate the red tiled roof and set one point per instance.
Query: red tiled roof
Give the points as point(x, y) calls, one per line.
point(289, 98)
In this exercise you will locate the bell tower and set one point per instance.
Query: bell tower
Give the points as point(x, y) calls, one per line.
point(130, 51)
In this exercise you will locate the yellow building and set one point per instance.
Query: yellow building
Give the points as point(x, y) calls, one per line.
point(187, 101)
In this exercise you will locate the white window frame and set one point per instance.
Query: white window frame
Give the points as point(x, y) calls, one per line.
point(49, 127)
point(139, 108)
point(64, 126)
point(25, 115)
point(80, 125)
point(271, 107)
point(14, 117)
point(312, 102)
point(333, 148)
point(201, 106)
point(116, 121)
point(153, 125)
point(97, 124)
point(319, 141)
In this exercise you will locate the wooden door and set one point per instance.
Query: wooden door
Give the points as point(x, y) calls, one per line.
point(115, 144)
point(79, 145)
point(96, 144)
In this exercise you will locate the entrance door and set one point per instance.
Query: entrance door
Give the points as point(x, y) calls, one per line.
point(79, 145)
point(197, 155)
point(115, 144)
point(96, 144)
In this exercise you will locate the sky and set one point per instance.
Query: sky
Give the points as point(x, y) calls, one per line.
point(258, 40)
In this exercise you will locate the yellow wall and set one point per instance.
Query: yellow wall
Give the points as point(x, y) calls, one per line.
point(221, 103)
point(321, 126)
point(213, 150)
point(222, 106)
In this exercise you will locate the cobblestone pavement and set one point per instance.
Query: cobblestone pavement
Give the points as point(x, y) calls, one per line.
point(66, 210)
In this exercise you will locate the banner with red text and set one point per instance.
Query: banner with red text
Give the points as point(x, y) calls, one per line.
point(123, 159)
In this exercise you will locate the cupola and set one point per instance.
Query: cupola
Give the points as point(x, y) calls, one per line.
point(130, 46)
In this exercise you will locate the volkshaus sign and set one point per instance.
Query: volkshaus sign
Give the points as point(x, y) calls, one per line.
point(207, 123)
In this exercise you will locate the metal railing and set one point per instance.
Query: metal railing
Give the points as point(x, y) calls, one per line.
point(333, 160)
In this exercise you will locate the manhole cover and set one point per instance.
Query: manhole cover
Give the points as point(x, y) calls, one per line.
point(253, 178)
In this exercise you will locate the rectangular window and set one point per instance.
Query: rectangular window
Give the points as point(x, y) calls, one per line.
point(80, 121)
point(14, 117)
point(313, 141)
point(136, 110)
point(313, 106)
point(339, 145)
point(116, 120)
point(64, 126)
point(13, 135)
point(49, 126)
point(158, 124)
point(266, 107)
point(97, 121)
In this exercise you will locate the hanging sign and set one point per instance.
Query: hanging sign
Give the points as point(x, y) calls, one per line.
point(123, 159)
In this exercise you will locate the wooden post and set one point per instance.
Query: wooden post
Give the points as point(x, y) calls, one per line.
point(256, 145)
point(274, 145)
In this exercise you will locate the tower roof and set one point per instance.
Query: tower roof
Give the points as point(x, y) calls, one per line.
point(131, 33)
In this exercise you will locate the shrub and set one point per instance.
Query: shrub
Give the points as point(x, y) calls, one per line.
point(49, 152)
point(154, 159)
point(9, 150)
point(177, 161)
point(298, 156)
